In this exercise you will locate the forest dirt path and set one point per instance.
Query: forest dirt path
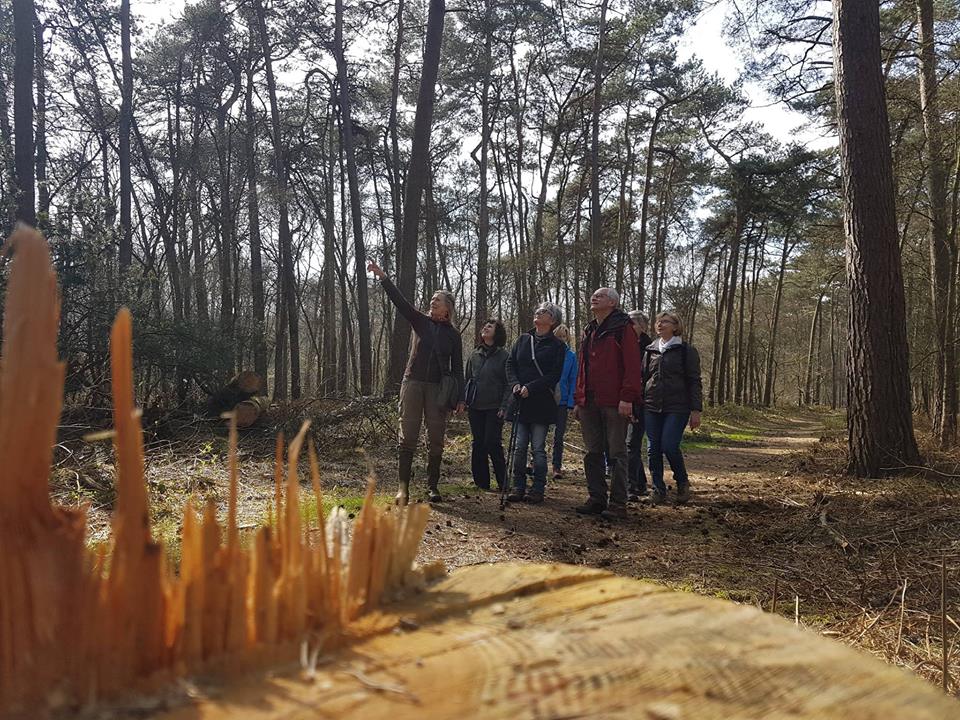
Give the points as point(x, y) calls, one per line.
point(713, 544)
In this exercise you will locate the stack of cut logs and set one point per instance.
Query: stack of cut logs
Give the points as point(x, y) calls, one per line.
point(243, 395)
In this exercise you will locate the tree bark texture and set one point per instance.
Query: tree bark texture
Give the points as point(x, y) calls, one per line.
point(879, 419)
point(125, 256)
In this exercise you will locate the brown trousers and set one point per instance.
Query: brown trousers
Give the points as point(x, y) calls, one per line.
point(418, 403)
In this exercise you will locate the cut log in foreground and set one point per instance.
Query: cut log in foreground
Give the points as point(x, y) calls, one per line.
point(517, 640)
point(243, 386)
point(496, 641)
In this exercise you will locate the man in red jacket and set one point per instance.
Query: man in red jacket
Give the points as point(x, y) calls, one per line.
point(608, 384)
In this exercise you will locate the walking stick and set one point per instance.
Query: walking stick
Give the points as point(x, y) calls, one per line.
point(505, 488)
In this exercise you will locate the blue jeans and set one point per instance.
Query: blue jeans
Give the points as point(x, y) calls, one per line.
point(664, 433)
point(558, 432)
point(536, 435)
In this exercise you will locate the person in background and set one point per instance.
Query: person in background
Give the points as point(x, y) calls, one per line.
point(568, 383)
point(533, 371)
point(486, 394)
point(437, 349)
point(673, 396)
point(608, 385)
point(636, 475)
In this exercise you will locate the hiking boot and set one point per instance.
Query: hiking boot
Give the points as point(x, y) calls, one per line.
point(517, 496)
point(535, 498)
point(590, 507)
point(433, 478)
point(557, 473)
point(405, 473)
point(614, 512)
point(633, 498)
point(683, 493)
point(657, 497)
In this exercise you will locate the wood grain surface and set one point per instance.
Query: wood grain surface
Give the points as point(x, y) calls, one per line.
point(555, 641)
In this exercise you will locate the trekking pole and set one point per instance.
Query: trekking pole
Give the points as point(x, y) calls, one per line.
point(505, 488)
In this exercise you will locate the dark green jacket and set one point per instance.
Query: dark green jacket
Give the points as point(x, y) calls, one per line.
point(487, 367)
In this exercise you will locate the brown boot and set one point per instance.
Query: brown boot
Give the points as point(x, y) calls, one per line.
point(433, 478)
point(405, 473)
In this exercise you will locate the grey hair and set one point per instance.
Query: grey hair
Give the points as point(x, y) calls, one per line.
point(613, 295)
point(639, 316)
point(555, 312)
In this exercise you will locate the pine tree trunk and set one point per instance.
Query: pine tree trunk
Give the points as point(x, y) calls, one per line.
point(483, 211)
point(125, 256)
point(43, 192)
point(359, 250)
point(417, 178)
point(767, 397)
point(942, 285)
point(285, 239)
point(24, 17)
point(879, 419)
point(253, 228)
point(596, 231)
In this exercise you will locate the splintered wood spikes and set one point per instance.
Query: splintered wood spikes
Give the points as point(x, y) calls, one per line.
point(77, 625)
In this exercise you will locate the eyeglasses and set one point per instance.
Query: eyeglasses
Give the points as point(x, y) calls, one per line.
point(666, 321)
point(541, 313)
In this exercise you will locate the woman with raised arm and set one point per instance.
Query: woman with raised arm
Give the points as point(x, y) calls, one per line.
point(437, 350)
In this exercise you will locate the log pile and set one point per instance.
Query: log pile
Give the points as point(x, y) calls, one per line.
point(76, 625)
point(243, 395)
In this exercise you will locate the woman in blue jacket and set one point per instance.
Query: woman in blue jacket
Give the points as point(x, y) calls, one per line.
point(566, 386)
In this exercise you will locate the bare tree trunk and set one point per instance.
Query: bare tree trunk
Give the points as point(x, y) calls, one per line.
point(766, 399)
point(879, 419)
point(253, 228)
point(483, 211)
point(645, 204)
point(942, 285)
point(24, 17)
point(288, 278)
point(808, 375)
point(359, 250)
point(43, 192)
point(596, 231)
point(417, 178)
point(125, 256)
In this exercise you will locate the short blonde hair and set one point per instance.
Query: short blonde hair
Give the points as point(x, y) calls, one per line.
point(677, 322)
point(564, 331)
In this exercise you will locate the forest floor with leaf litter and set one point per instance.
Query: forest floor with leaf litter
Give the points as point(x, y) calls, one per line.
point(772, 513)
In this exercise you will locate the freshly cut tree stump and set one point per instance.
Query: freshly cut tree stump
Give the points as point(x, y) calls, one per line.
point(556, 641)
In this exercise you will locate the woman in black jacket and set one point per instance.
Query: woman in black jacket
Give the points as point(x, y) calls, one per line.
point(533, 371)
point(486, 395)
point(672, 397)
point(437, 350)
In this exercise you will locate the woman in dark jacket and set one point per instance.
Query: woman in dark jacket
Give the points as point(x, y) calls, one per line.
point(533, 371)
point(437, 350)
point(672, 397)
point(486, 395)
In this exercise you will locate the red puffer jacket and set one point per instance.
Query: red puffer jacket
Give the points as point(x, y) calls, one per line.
point(609, 363)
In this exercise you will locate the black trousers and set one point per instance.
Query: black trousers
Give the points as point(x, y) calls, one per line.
point(487, 430)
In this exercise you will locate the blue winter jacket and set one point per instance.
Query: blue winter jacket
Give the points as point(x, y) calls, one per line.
point(568, 379)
